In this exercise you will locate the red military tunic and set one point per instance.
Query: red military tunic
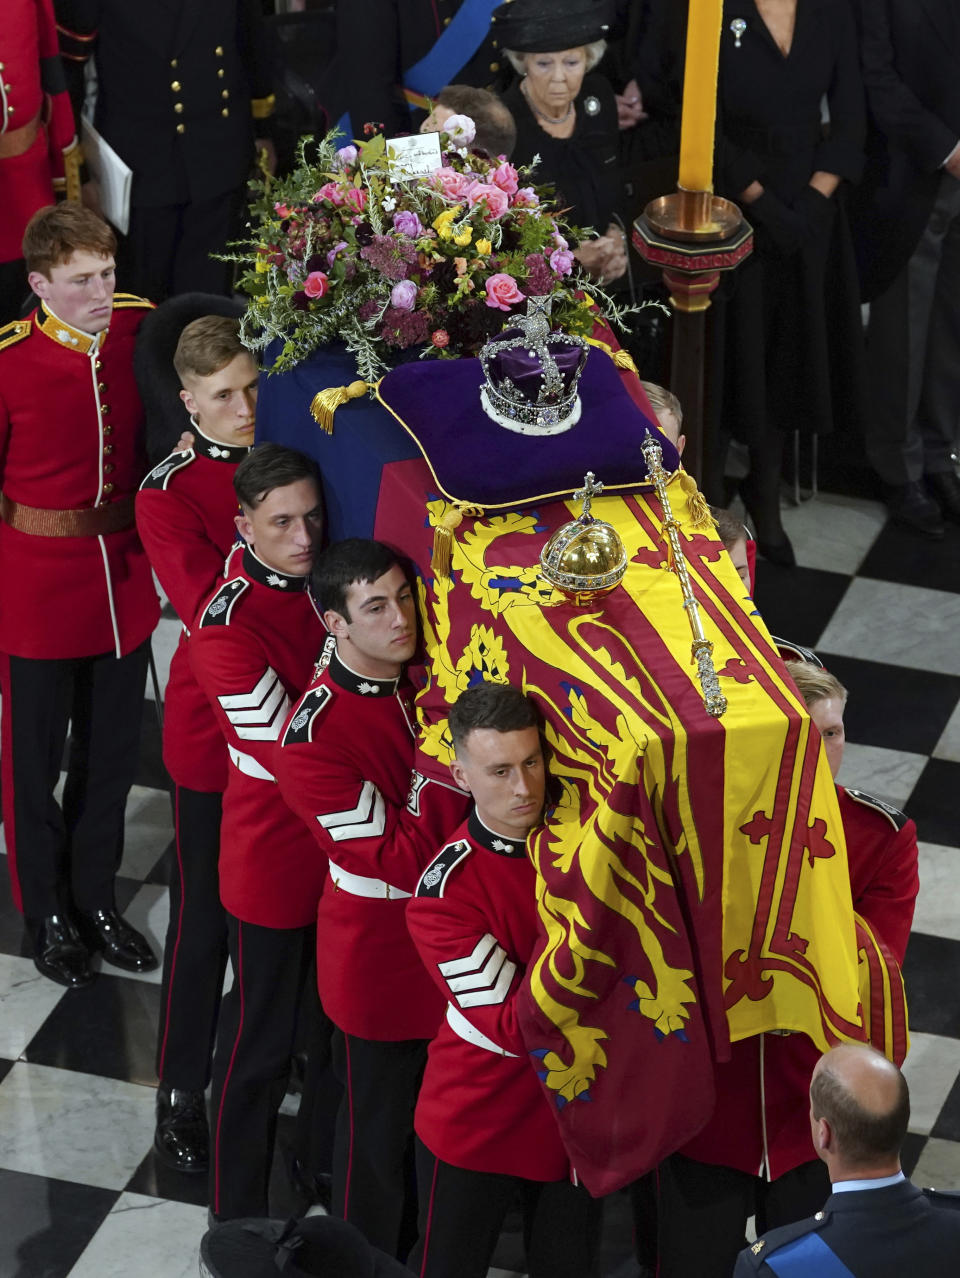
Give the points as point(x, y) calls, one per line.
point(185, 513)
point(38, 143)
point(344, 765)
point(474, 922)
point(70, 440)
point(761, 1123)
point(252, 651)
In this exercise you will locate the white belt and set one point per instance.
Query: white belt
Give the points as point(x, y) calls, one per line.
point(360, 885)
point(248, 764)
point(460, 1025)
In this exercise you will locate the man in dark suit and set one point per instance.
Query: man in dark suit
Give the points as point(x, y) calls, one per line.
point(875, 1224)
point(909, 246)
point(182, 90)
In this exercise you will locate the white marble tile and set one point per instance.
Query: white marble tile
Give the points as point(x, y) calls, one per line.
point(931, 1070)
point(833, 533)
point(937, 912)
point(73, 1126)
point(903, 625)
point(948, 747)
point(889, 774)
point(145, 1238)
point(26, 1000)
point(164, 642)
point(148, 829)
point(938, 1166)
point(148, 912)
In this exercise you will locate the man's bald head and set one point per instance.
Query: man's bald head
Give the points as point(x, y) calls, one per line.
point(865, 1100)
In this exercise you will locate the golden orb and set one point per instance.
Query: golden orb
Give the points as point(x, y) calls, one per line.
point(585, 558)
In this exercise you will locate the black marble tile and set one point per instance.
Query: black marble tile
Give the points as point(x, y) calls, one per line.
point(797, 603)
point(933, 804)
point(157, 1181)
point(125, 890)
point(931, 974)
point(910, 1151)
point(107, 1028)
point(893, 706)
point(46, 1224)
point(913, 560)
point(5, 1068)
point(161, 871)
point(947, 1126)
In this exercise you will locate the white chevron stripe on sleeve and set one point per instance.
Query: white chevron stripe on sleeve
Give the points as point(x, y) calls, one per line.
point(367, 820)
point(481, 978)
point(258, 715)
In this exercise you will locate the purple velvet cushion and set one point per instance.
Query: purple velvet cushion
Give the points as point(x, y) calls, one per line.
point(476, 461)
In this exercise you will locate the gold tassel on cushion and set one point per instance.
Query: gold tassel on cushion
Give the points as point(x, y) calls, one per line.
point(326, 402)
point(442, 556)
point(697, 507)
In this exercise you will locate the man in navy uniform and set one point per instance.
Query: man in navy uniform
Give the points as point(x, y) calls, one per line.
point(875, 1224)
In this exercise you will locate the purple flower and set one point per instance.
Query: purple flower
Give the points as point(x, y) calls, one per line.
point(346, 155)
point(540, 282)
point(407, 223)
point(561, 261)
point(391, 255)
point(404, 295)
point(335, 252)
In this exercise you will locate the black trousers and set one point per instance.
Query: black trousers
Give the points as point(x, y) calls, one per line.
point(703, 1211)
point(167, 248)
point(462, 1214)
point(373, 1177)
point(14, 290)
point(195, 950)
point(251, 1063)
point(68, 855)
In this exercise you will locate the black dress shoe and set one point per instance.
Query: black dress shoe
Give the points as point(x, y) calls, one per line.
point(122, 945)
point(182, 1138)
point(59, 953)
point(911, 506)
point(945, 488)
point(764, 511)
point(312, 1189)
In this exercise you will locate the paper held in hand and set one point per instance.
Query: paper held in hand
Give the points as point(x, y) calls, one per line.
point(113, 176)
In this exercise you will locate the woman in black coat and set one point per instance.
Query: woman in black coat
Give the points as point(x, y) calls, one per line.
point(792, 323)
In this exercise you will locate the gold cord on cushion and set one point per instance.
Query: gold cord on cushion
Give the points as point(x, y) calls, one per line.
point(326, 402)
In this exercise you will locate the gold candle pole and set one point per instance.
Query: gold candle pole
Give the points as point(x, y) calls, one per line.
point(715, 703)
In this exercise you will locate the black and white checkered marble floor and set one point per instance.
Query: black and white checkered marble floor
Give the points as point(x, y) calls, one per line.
point(80, 1193)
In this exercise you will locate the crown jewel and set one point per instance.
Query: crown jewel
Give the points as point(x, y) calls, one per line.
point(531, 375)
point(585, 558)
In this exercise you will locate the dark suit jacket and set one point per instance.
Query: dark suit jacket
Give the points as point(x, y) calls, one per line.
point(911, 53)
point(875, 1233)
point(176, 79)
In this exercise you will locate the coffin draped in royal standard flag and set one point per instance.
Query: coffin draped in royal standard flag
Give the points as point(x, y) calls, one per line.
point(693, 884)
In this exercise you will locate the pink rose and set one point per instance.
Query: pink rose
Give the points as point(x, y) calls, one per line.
point(561, 261)
point(440, 338)
point(356, 199)
point(505, 176)
point(316, 284)
point(346, 155)
point(497, 201)
point(281, 210)
point(451, 183)
point(331, 193)
point(526, 198)
point(403, 295)
point(502, 292)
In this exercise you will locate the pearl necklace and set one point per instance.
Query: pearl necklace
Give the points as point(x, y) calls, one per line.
point(548, 119)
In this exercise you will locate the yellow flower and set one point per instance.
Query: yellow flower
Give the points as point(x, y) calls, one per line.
point(465, 236)
point(442, 222)
point(261, 266)
point(484, 248)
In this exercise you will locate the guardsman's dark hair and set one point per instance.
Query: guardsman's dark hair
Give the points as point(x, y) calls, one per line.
point(270, 466)
point(499, 706)
point(345, 563)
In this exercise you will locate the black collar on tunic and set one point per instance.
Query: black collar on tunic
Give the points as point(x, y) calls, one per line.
point(362, 685)
point(260, 572)
point(204, 446)
point(483, 835)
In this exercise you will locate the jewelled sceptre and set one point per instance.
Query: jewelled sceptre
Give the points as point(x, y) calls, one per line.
point(714, 701)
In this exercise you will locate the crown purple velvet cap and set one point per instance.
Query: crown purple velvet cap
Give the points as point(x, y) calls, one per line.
point(475, 461)
point(515, 373)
